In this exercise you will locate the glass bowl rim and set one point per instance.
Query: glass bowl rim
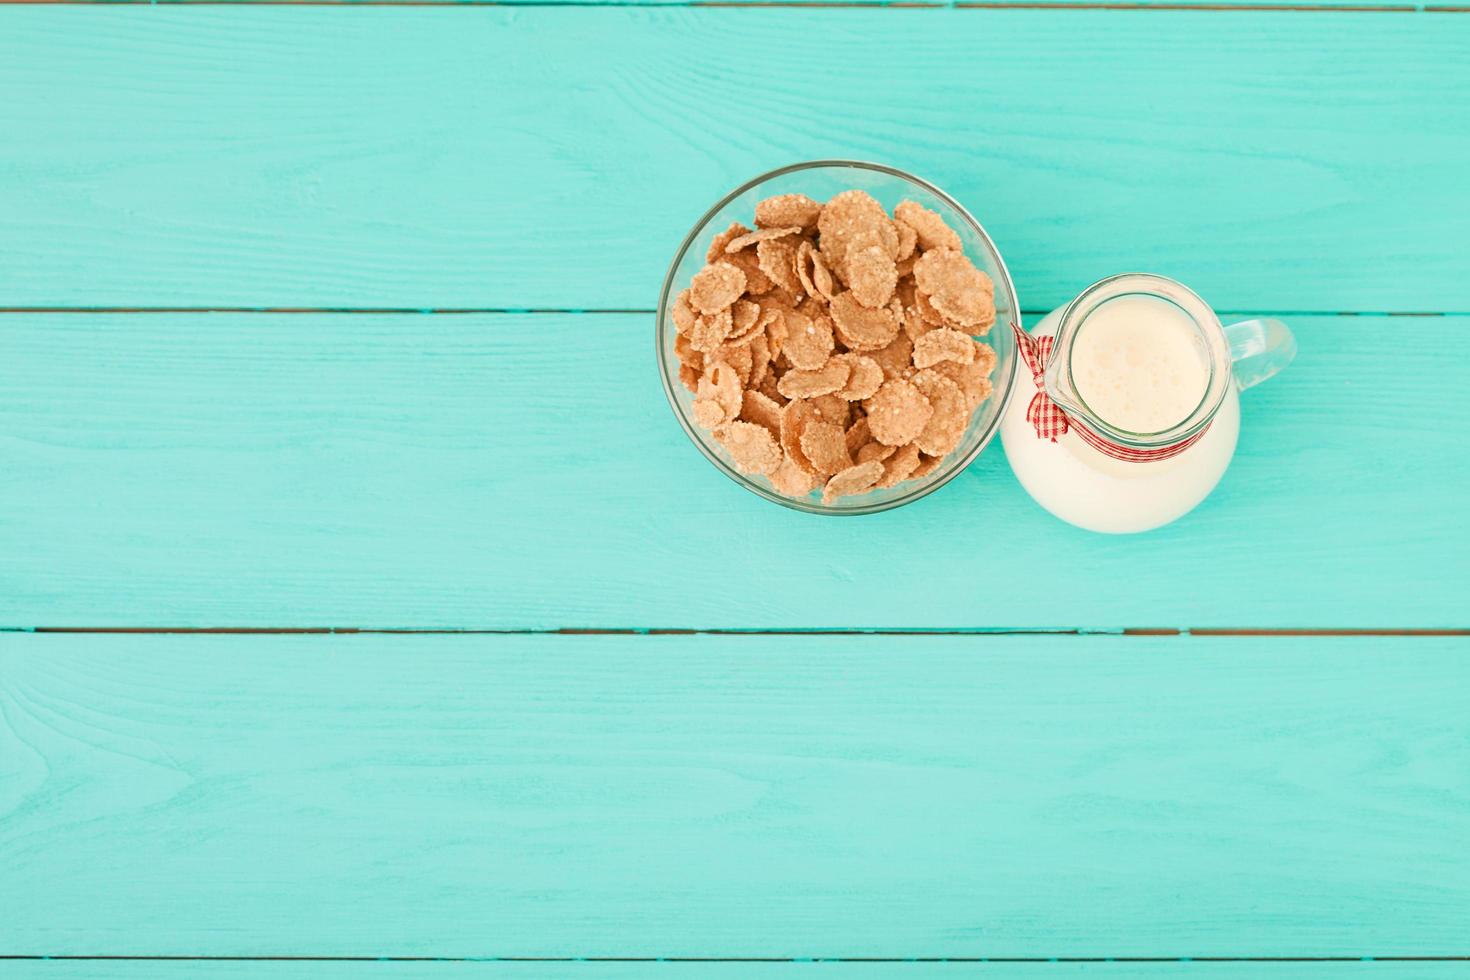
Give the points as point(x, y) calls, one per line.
point(805, 505)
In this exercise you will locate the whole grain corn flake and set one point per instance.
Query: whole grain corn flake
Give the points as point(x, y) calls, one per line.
point(880, 234)
point(745, 321)
point(799, 383)
point(715, 287)
point(716, 250)
point(768, 388)
point(862, 328)
point(973, 379)
point(738, 356)
point(711, 330)
point(832, 408)
point(756, 407)
point(864, 380)
point(774, 317)
point(943, 344)
point(960, 292)
point(896, 359)
point(927, 314)
point(927, 464)
point(908, 240)
point(795, 417)
point(858, 435)
point(764, 234)
point(808, 342)
point(788, 210)
point(825, 445)
point(777, 259)
point(946, 427)
point(928, 226)
point(794, 481)
point(760, 360)
point(897, 413)
point(871, 276)
point(845, 216)
point(683, 313)
point(757, 283)
point(708, 412)
point(854, 479)
point(812, 306)
point(985, 357)
point(804, 253)
point(900, 466)
point(822, 278)
point(722, 384)
point(751, 446)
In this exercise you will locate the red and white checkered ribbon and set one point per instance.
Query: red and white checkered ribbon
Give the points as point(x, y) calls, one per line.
point(1050, 422)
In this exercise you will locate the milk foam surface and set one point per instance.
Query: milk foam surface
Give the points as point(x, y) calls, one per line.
point(1138, 363)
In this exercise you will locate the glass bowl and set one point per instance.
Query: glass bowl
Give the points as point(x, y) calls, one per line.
point(822, 179)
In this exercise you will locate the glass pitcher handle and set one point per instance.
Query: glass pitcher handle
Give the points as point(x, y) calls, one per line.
point(1259, 349)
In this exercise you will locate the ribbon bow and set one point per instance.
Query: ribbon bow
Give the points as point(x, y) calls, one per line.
point(1045, 415)
point(1050, 422)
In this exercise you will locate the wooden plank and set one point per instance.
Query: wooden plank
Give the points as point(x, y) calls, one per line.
point(1387, 6)
point(512, 158)
point(759, 796)
point(278, 970)
point(525, 472)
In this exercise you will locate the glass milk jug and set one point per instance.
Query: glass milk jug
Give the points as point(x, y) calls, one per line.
point(1125, 410)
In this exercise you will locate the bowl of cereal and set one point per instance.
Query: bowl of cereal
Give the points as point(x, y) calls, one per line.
point(825, 337)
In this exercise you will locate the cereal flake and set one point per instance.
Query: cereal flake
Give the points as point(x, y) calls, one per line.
point(897, 413)
point(943, 344)
point(824, 444)
point(808, 341)
point(764, 234)
point(960, 292)
point(900, 466)
point(756, 407)
point(866, 377)
point(752, 447)
point(929, 228)
point(946, 427)
point(854, 479)
point(861, 328)
point(715, 287)
point(799, 383)
point(795, 210)
point(871, 276)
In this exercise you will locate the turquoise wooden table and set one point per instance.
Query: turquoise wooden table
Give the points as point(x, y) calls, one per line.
point(364, 612)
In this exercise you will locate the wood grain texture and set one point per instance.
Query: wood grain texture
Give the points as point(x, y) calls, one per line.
point(525, 472)
point(734, 796)
point(512, 158)
point(275, 970)
point(1387, 6)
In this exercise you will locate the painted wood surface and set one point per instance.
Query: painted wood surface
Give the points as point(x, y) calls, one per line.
point(1323, 6)
point(277, 970)
point(549, 157)
point(734, 796)
point(759, 796)
point(1385, 6)
point(525, 472)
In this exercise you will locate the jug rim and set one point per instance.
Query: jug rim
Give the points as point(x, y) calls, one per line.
point(1061, 386)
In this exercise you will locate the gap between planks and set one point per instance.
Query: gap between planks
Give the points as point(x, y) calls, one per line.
point(558, 311)
point(1039, 960)
point(1235, 631)
point(778, 4)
